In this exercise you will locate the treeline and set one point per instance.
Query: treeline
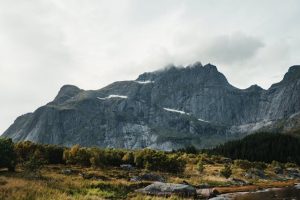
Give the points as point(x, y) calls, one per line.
point(264, 147)
point(27, 152)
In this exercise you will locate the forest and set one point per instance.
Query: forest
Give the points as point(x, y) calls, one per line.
point(264, 147)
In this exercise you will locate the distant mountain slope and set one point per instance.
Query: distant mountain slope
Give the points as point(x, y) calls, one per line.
point(166, 109)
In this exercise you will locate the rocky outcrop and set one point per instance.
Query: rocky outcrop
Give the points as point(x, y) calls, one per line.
point(165, 189)
point(166, 109)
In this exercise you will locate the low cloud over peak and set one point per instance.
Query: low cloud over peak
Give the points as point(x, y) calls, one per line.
point(234, 48)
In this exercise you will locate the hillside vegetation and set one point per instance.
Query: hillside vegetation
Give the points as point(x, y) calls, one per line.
point(264, 147)
point(36, 171)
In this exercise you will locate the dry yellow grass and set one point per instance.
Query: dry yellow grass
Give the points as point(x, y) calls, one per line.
point(113, 183)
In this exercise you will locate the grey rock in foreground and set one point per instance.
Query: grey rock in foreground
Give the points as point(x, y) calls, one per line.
point(165, 189)
point(166, 109)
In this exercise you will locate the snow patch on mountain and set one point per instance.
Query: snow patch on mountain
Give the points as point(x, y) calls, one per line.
point(144, 82)
point(113, 96)
point(202, 120)
point(176, 111)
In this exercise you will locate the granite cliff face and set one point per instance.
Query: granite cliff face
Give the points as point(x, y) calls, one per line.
point(166, 109)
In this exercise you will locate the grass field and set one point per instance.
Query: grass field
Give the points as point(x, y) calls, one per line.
point(114, 182)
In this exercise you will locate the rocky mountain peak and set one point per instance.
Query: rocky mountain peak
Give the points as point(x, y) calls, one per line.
point(254, 88)
point(195, 73)
point(66, 92)
point(292, 74)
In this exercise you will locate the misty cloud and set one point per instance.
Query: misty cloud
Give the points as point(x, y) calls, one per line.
point(235, 48)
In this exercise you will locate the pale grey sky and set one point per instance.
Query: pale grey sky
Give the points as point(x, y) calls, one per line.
point(45, 44)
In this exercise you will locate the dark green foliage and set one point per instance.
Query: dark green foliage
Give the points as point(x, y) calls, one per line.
point(243, 164)
point(77, 156)
point(290, 165)
point(93, 156)
point(260, 165)
point(147, 158)
point(7, 154)
point(54, 154)
point(128, 158)
point(189, 149)
point(51, 154)
point(33, 156)
point(264, 147)
point(34, 164)
point(159, 161)
point(226, 171)
point(200, 166)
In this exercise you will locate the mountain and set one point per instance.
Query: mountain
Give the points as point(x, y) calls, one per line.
point(166, 109)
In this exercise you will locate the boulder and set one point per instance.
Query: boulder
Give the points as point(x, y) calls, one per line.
point(67, 171)
point(278, 170)
point(127, 166)
point(165, 189)
point(207, 192)
point(255, 174)
point(292, 173)
point(86, 175)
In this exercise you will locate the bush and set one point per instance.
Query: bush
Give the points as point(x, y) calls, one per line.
point(34, 164)
point(52, 154)
point(200, 166)
point(128, 158)
point(243, 164)
point(277, 164)
point(159, 161)
point(7, 154)
point(77, 156)
point(259, 165)
point(290, 165)
point(226, 171)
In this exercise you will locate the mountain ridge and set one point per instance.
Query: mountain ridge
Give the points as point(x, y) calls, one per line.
point(165, 109)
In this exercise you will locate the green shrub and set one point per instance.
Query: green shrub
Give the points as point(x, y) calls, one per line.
point(7, 154)
point(243, 164)
point(159, 161)
point(259, 165)
point(34, 164)
point(200, 166)
point(128, 158)
point(226, 171)
point(52, 154)
point(78, 156)
point(290, 165)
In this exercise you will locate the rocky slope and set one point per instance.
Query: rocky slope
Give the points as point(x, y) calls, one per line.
point(165, 109)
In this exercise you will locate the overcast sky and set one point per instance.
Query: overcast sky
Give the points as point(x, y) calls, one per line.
point(45, 44)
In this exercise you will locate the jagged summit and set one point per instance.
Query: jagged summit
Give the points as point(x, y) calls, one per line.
point(66, 92)
point(254, 88)
point(192, 74)
point(292, 74)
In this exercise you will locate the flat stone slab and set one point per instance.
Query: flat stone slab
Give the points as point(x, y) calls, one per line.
point(164, 189)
